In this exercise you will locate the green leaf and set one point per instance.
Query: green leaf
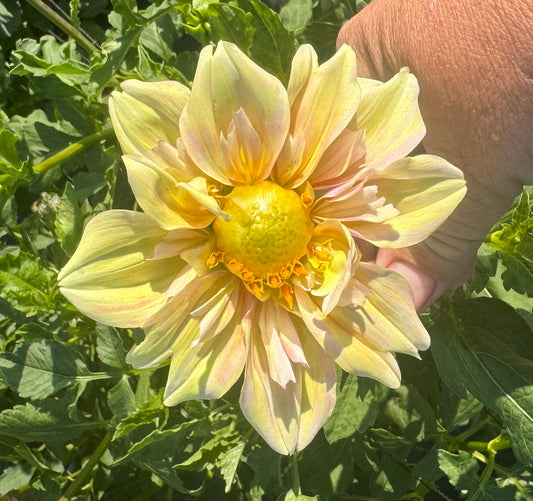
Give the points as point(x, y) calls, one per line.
point(228, 462)
point(15, 477)
point(121, 399)
point(232, 24)
point(296, 15)
point(461, 469)
point(42, 369)
point(109, 347)
point(25, 283)
point(10, 19)
point(48, 422)
point(69, 221)
point(356, 409)
point(483, 346)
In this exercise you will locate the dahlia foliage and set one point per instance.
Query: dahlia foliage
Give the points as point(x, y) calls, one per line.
point(245, 257)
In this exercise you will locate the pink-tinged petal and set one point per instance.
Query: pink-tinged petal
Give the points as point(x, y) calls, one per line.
point(111, 276)
point(424, 190)
point(341, 162)
point(339, 270)
point(318, 391)
point(146, 113)
point(227, 82)
point(321, 107)
point(345, 344)
point(279, 364)
point(209, 369)
point(165, 326)
point(388, 314)
point(176, 160)
point(288, 418)
point(171, 203)
point(352, 205)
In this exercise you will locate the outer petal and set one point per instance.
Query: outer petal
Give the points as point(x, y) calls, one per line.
point(321, 108)
point(344, 344)
point(424, 190)
point(146, 113)
point(210, 369)
point(111, 276)
point(389, 114)
point(226, 82)
point(388, 316)
point(173, 204)
point(165, 326)
point(288, 418)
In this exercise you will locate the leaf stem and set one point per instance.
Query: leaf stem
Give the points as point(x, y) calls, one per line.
point(79, 481)
point(72, 150)
point(293, 462)
point(63, 25)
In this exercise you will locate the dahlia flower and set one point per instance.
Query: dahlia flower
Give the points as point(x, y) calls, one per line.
point(245, 257)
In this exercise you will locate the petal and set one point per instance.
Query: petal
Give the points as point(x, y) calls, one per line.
point(288, 418)
point(227, 81)
point(321, 107)
point(171, 203)
point(339, 270)
point(166, 325)
point(344, 344)
point(111, 276)
point(389, 114)
point(388, 316)
point(146, 113)
point(424, 190)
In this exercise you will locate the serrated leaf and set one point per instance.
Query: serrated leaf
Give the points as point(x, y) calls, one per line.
point(232, 24)
point(41, 369)
point(49, 421)
point(121, 399)
point(461, 469)
point(356, 409)
point(483, 346)
point(228, 462)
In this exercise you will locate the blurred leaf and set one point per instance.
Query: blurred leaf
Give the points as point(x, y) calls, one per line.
point(121, 399)
point(228, 462)
point(483, 346)
point(15, 477)
point(461, 469)
point(41, 369)
point(10, 18)
point(69, 221)
point(296, 15)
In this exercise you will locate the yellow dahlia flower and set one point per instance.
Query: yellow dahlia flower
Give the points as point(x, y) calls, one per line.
point(245, 256)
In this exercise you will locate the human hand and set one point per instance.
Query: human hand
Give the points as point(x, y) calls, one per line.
point(474, 63)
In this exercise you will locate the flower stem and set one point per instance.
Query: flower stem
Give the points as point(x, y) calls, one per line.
point(63, 25)
point(293, 461)
point(72, 150)
point(79, 481)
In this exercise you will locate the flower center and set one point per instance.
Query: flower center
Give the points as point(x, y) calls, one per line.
point(268, 233)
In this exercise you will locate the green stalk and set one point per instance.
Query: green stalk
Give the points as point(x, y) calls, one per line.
point(80, 480)
point(72, 150)
point(296, 488)
point(63, 25)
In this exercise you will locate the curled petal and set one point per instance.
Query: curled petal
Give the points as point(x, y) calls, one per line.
point(389, 114)
point(111, 276)
point(146, 113)
point(342, 341)
point(227, 81)
point(424, 190)
point(288, 418)
point(323, 101)
point(171, 203)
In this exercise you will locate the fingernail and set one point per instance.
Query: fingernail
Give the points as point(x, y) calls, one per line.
point(421, 284)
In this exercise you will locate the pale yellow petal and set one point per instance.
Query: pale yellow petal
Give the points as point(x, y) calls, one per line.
point(111, 276)
point(321, 107)
point(146, 113)
point(388, 316)
point(226, 82)
point(171, 203)
point(390, 116)
point(424, 190)
point(345, 345)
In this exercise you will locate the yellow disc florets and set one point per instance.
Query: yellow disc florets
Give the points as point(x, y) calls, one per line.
point(267, 235)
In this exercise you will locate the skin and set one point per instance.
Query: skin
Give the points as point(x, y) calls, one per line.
point(474, 63)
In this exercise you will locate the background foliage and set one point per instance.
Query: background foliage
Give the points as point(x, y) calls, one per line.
point(77, 423)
